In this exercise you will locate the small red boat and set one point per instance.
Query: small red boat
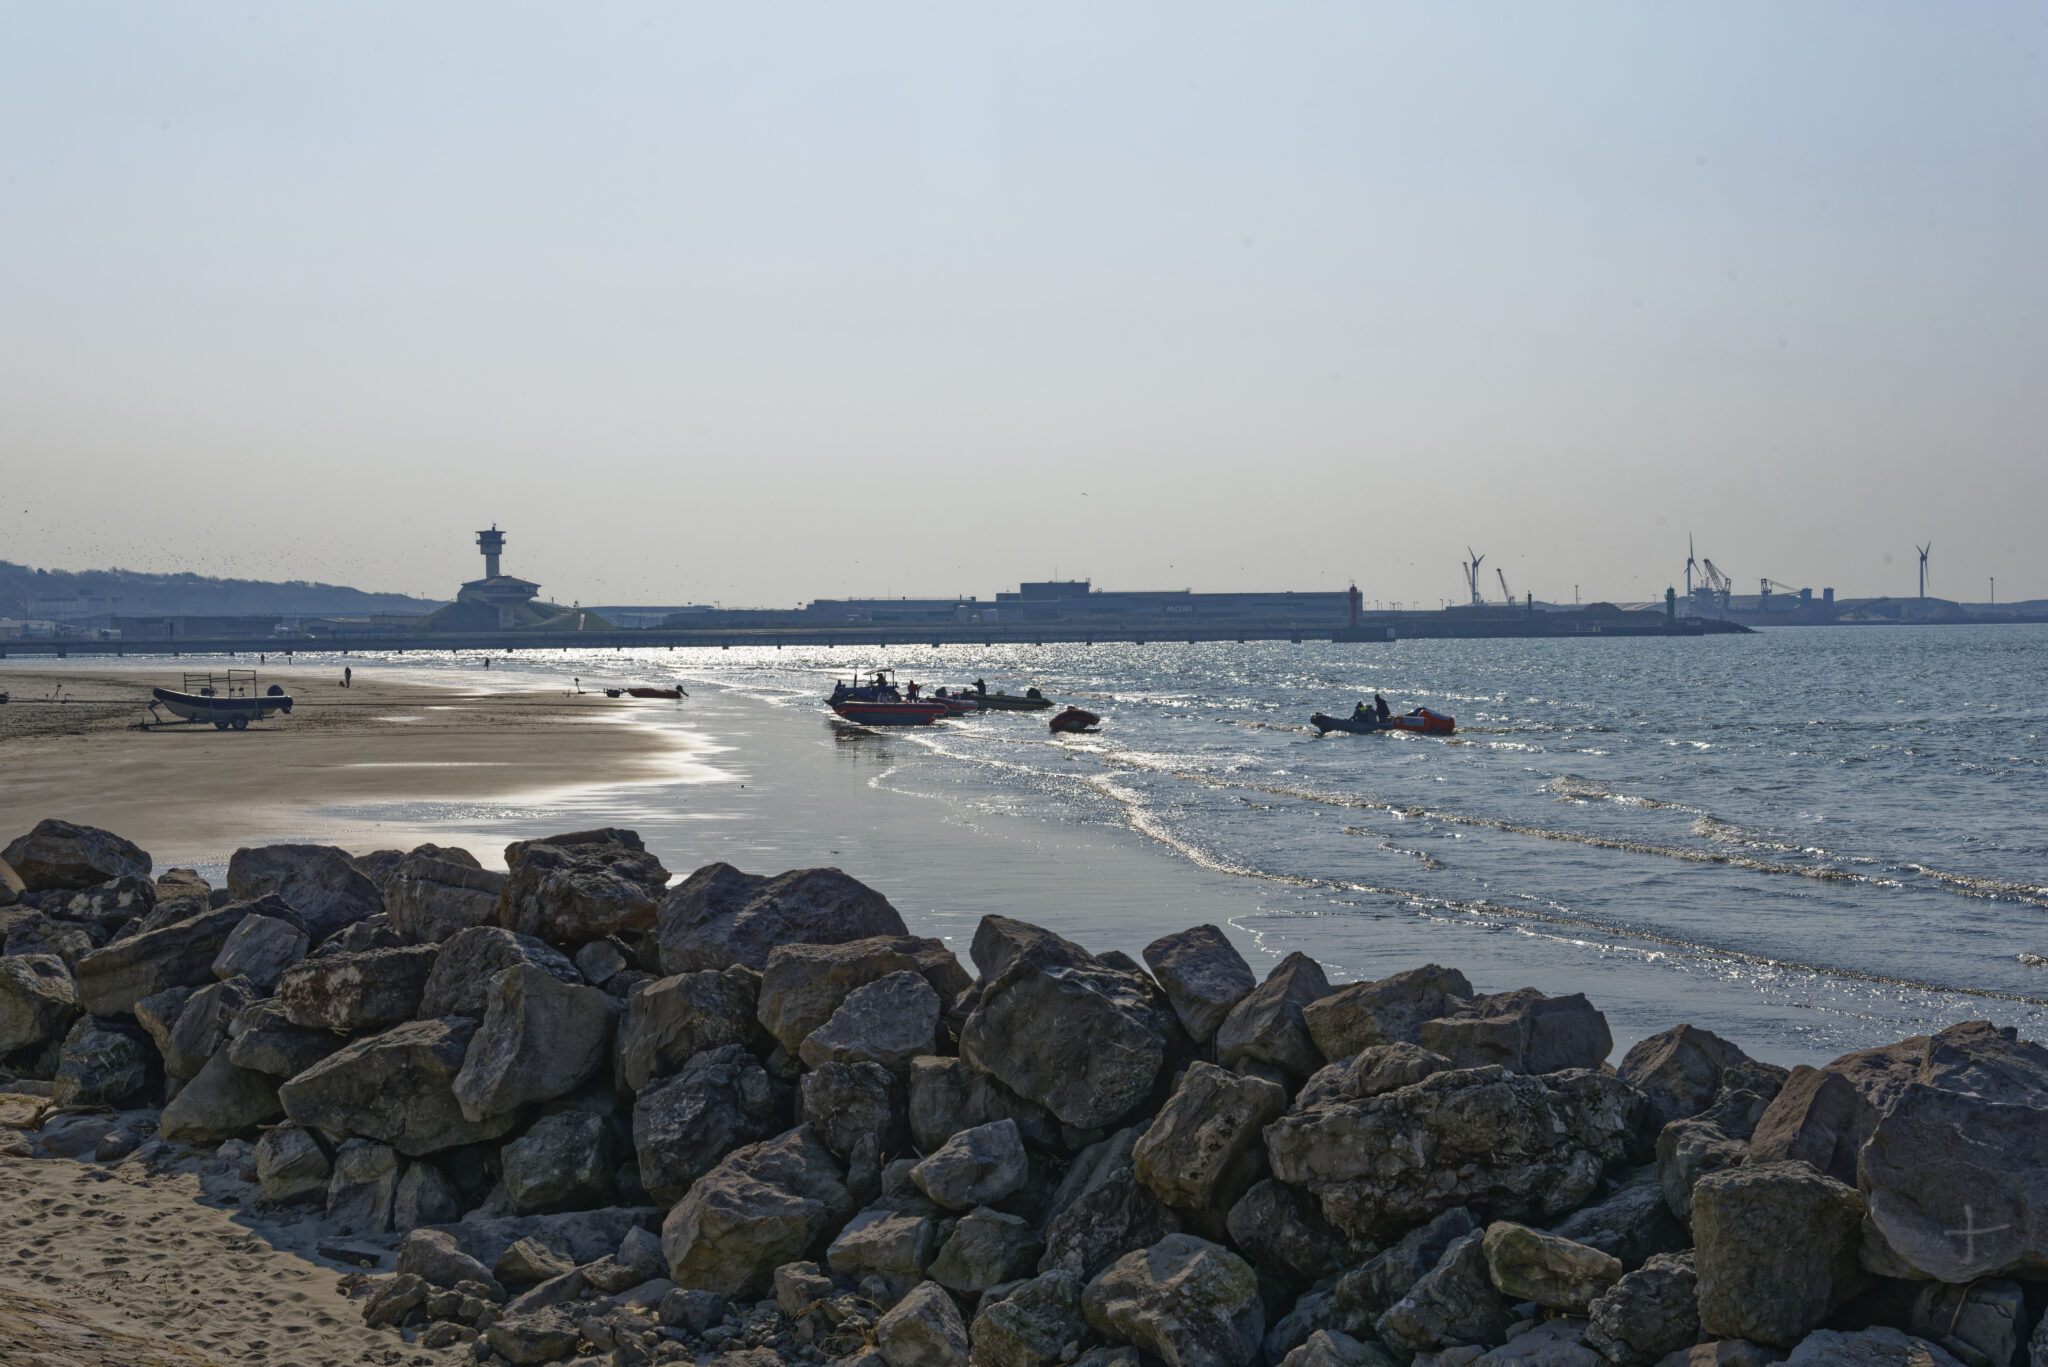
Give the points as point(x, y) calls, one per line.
point(891, 713)
point(1074, 721)
point(644, 692)
point(958, 705)
point(1423, 720)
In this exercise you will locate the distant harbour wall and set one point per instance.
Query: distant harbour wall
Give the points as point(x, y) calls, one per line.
point(1419, 626)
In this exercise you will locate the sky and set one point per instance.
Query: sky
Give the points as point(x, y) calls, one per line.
point(752, 304)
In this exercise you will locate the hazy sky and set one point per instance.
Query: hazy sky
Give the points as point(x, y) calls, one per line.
point(752, 303)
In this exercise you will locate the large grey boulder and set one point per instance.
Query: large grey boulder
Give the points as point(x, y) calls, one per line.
point(947, 1096)
point(1631, 1222)
point(1521, 1030)
point(986, 1248)
point(1369, 1290)
point(1775, 1251)
point(764, 1205)
point(223, 1101)
point(672, 1020)
point(1983, 1324)
point(109, 905)
point(566, 889)
point(111, 980)
point(1059, 1027)
point(102, 1062)
point(260, 1038)
point(924, 1329)
point(396, 1087)
point(976, 1167)
point(1389, 1010)
point(719, 916)
point(1649, 1313)
point(1679, 1071)
point(429, 898)
point(292, 1165)
point(364, 991)
point(1193, 1303)
point(1369, 1072)
point(893, 1246)
point(1511, 1145)
point(260, 948)
point(67, 941)
point(319, 882)
point(158, 1014)
point(683, 1125)
point(1454, 1304)
point(564, 1162)
point(540, 1038)
point(1882, 1346)
point(37, 1001)
point(857, 1109)
point(1952, 1173)
point(1528, 1265)
point(1203, 975)
point(1824, 1116)
point(804, 984)
point(435, 1257)
point(1282, 1230)
point(1716, 1138)
point(1267, 1026)
point(1100, 1211)
point(61, 855)
point(1200, 1150)
point(469, 959)
point(890, 1022)
point(203, 1025)
point(363, 1187)
point(1033, 1325)
point(426, 1196)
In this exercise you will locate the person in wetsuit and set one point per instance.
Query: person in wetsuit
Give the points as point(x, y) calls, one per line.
point(1380, 706)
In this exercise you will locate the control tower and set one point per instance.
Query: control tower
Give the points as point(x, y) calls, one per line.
point(500, 601)
point(492, 544)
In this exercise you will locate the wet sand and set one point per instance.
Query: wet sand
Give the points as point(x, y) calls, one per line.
point(71, 747)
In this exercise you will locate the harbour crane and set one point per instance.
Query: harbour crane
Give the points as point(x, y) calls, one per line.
point(1471, 568)
point(1764, 587)
point(1721, 585)
point(1507, 595)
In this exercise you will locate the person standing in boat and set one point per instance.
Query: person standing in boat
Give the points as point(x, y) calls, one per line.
point(914, 686)
point(1380, 706)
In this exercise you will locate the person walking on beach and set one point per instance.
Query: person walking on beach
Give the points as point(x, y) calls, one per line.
point(347, 677)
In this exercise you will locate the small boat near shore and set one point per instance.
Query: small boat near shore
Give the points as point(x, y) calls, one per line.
point(1420, 720)
point(674, 693)
point(1032, 701)
point(890, 713)
point(1074, 721)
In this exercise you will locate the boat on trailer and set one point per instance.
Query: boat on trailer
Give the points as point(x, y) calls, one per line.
point(229, 702)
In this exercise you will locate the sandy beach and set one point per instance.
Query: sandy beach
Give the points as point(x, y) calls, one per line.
point(71, 746)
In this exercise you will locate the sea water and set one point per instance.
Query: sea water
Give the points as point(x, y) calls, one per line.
point(1809, 839)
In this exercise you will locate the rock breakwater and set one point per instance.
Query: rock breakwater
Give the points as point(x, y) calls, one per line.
point(591, 1112)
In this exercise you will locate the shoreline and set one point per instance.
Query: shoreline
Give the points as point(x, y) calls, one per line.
point(375, 765)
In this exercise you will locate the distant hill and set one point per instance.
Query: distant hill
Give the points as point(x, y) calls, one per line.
point(26, 592)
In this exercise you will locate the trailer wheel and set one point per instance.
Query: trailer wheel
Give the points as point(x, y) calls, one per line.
point(220, 726)
point(240, 723)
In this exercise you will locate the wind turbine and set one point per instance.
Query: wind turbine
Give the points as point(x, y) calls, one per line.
point(1472, 577)
point(1923, 566)
point(1690, 565)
